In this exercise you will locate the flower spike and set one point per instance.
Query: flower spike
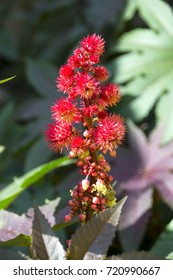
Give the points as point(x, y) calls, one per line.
point(83, 125)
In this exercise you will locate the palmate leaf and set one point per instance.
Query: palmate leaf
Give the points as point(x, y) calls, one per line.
point(164, 113)
point(9, 193)
point(161, 20)
point(14, 229)
point(147, 68)
point(48, 210)
point(129, 10)
point(164, 244)
point(145, 166)
point(134, 219)
point(102, 242)
point(45, 245)
point(85, 236)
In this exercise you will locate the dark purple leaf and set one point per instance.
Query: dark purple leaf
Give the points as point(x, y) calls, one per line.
point(103, 241)
point(137, 183)
point(132, 236)
point(121, 168)
point(165, 188)
point(84, 237)
point(160, 157)
point(16, 229)
point(138, 142)
point(48, 210)
point(157, 134)
point(105, 238)
point(145, 165)
point(136, 205)
point(134, 219)
point(12, 225)
point(45, 245)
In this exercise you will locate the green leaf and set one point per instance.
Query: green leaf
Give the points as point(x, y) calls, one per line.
point(127, 14)
point(157, 14)
point(170, 256)
point(20, 240)
point(63, 225)
point(9, 193)
point(6, 80)
point(164, 114)
point(2, 148)
point(136, 64)
point(11, 134)
point(45, 245)
point(37, 154)
point(130, 10)
point(145, 39)
point(9, 46)
point(146, 71)
point(142, 105)
point(164, 244)
point(87, 233)
point(42, 75)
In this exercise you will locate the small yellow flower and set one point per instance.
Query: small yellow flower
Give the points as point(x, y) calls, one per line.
point(111, 200)
point(99, 187)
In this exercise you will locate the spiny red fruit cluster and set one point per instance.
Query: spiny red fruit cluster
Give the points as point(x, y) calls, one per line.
point(83, 125)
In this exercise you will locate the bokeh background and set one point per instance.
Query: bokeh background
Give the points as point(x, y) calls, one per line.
point(36, 38)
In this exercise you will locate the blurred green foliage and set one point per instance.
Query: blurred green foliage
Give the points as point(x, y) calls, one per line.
point(36, 37)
